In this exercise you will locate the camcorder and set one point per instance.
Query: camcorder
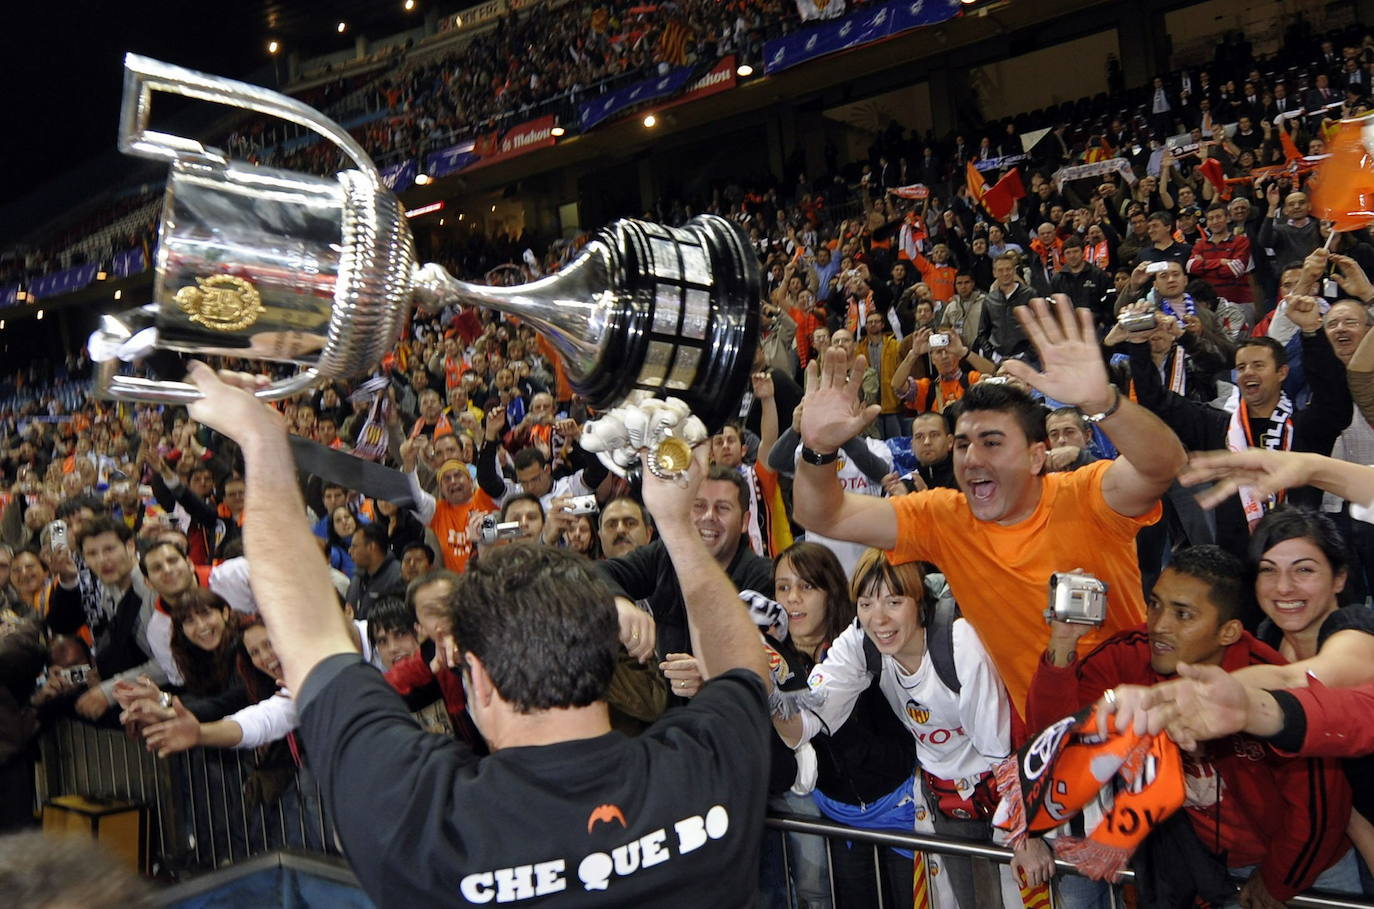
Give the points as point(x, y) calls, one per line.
point(1078, 599)
point(1137, 321)
point(492, 530)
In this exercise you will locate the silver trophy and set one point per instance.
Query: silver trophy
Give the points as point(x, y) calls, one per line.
point(320, 272)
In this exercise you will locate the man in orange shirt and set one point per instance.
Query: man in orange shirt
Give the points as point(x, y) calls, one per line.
point(1010, 526)
point(450, 515)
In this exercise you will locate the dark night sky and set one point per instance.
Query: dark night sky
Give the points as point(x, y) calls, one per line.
point(62, 71)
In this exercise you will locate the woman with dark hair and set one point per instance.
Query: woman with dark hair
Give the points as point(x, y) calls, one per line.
point(580, 536)
point(942, 698)
point(339, 538)
point(402, 527)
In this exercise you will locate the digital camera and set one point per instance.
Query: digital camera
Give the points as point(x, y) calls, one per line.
point(1078, 599)
point(492, 530)
point(1137, 321)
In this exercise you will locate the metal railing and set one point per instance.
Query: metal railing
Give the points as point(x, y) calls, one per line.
point(199, 817)
point(940, 845)
point(206, 807)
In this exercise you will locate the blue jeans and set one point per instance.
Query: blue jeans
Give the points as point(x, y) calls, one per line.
point(1342, 877)
point(807, 863)
point(1076, 892)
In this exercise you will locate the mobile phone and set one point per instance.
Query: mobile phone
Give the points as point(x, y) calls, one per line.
point(57, 535)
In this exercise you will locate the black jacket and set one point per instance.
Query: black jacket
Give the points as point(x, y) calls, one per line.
point(1201, 427)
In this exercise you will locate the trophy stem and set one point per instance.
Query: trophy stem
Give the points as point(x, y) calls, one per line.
point(578, 310)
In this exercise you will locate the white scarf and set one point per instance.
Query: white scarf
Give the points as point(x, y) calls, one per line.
point(1278, 437)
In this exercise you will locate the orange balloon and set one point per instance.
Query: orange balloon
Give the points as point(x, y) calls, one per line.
point(1342, 190)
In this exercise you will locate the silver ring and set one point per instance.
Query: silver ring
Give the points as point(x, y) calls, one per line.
point(1110, 696)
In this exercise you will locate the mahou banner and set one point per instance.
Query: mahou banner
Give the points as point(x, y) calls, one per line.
point(516, 141)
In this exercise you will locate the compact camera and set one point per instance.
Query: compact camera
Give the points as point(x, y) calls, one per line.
point(939, 339)
point(581, 505)
point(57, 535)
point(1079, 599)
point(75, 674)
point(1137, 321)
point(1155, 268)
point(492, 530)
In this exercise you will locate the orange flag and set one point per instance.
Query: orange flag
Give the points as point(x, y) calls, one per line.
point(977, 186)
point(1343, 187)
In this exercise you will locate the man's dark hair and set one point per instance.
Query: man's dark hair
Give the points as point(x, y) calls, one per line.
point(153, 547)
point(1222, 572)
point(730, 475)
point(438, 575)
point(543, 624)
point(68, 507)
point(964, 273)
point(644, 515)
point(1073, 243)
point(424, 547)
point(944, 416)
point(43, 870)
point(1276, 349)
point(330, 484)
point(1219, 206)
point(104, 524)
point(390, 612)
point(530, 456)
point(1003, 398)
point(375, 533)
point(1292, 522)
point(522, 497)
point(1163, 217)
point(1068, 412)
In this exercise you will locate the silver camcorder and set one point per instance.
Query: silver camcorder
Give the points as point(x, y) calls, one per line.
point(492, 530)
point(1137, 321)
point(1079, 599)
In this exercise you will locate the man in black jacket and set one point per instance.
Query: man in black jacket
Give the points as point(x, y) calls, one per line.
point(1264, 417)
point(646, 574)
point(1081, 281)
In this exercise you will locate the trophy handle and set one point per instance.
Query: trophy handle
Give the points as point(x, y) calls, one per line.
point(144, 75)
point(109, 385)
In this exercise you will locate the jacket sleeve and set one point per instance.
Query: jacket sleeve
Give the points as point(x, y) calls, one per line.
point(488, 476)
point(1334, 722)
point(66, 615)
point(1314, 798)
point(409, 674)
point(1316, 427)
point(1196, 425)
point(635, 574)
point(201, 512)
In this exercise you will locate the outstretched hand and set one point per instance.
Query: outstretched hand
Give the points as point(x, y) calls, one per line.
point(1259, 469)
point(832, 411)
point(1066, 340)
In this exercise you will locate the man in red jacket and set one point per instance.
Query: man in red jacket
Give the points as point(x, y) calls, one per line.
point(1248, 806)
point(1222, 259)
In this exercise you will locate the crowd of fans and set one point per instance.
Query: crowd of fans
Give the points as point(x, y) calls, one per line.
point(957, 443)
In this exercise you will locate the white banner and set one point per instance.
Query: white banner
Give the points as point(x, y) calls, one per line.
point(1096, 169)
point(820, 9)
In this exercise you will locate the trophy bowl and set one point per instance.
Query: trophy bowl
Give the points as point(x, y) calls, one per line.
point(320, 272)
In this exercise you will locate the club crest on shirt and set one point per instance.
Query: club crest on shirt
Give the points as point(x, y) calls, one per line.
point(917, 713)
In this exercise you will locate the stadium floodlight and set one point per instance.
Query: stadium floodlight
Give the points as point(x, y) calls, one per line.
point(744, 71)
point(341, 27)
point(557, 131)
point(409, 5)
point(422, 179)
point(650, 121)
point(273, 47)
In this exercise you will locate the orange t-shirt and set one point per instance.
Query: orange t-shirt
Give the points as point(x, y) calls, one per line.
point(450, 525)
point(1000, 575)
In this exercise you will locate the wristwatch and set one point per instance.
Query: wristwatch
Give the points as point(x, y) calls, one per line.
point(1099, 417)
point(819, 459)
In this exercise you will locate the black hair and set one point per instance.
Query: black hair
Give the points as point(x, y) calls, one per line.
point(1073, 243)
point(542, 622)
point(730, 475)
point(529, 456)
point(522, 497)
point(68, 507)
point(1293, 522)
point(1006, 398)
point(1276, 349)
point(1222, 571)
point(375, 533)
point(818, 566)
point(425, 547)
point(390, 612)
point(103, 524)
point(153, 546)
point(1163, 217)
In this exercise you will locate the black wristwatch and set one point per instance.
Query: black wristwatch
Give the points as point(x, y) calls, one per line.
point(817, 458)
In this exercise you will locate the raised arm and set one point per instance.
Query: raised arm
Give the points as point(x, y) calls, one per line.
point(832, 414)
point(723, 636)
point(1151, 455)
point(289, 577)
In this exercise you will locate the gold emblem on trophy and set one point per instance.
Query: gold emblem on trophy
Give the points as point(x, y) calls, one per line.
point(221, 303)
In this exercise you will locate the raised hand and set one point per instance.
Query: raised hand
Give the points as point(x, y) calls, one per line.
point(833, 412)
point(227, 404)
point(1066, 340)
point(1259, 469)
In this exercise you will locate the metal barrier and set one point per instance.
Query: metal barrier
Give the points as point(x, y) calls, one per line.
point(206, 807)
point(786, 823)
